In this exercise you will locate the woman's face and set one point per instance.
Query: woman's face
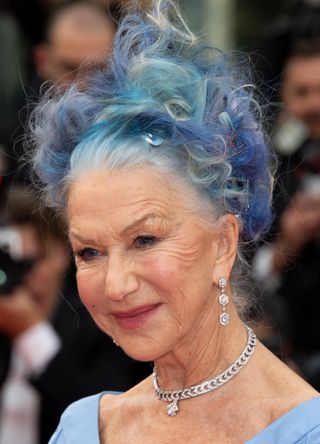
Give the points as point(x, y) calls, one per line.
point(146, 266)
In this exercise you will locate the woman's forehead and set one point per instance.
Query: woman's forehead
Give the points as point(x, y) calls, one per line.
point(133, 194)
point(123, 183)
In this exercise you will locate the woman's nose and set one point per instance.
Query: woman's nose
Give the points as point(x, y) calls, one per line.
point(120, 278)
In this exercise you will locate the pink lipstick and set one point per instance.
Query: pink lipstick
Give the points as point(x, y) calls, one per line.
point(136, 317)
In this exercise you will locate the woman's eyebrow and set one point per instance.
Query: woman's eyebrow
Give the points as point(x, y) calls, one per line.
point(142, 220)
point(81, 239)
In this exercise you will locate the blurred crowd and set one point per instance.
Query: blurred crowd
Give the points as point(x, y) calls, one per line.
point(50, 351)
point(287, 266)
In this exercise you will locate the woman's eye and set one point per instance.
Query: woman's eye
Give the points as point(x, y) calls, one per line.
point(87, 254)
point(144, 241)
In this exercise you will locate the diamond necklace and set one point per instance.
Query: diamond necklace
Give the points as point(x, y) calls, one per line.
point(174, 396)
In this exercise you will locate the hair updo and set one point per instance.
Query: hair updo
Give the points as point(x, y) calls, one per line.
point(165, 99)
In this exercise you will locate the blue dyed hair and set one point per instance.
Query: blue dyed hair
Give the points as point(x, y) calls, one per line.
point(163, 98)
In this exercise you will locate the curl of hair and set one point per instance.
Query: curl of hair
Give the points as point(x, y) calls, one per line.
point(161, 80)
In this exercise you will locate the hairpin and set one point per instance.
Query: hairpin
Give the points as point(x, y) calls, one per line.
point(152, 139)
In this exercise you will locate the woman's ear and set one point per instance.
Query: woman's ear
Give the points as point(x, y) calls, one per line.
point(227, 239)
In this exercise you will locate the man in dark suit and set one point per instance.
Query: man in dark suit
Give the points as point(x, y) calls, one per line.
point(51, 352)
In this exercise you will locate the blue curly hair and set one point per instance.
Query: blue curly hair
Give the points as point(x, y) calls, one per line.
point(166, 99)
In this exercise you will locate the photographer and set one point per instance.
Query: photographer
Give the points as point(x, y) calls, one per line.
point(51, 353)
point(289, 265)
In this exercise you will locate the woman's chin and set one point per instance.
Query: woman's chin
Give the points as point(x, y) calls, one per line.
point(144, 353)
point(143, 356)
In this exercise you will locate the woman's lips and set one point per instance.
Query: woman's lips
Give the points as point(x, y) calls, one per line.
point(135, 318)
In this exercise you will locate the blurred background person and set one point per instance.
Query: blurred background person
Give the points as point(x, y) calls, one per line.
point(74, 33)
point(77, 32)
point(51, 352)
point(288, 267)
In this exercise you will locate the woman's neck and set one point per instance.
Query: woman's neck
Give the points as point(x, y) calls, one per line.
point(208, 351)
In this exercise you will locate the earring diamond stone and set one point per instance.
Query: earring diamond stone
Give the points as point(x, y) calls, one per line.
point(222, 282)
point(223, 299)
point(224, 319)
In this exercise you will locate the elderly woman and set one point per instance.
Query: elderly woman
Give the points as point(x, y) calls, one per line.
point(162, 170)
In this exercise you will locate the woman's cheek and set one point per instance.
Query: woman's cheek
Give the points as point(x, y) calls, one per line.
point(161, 270)
point(89, 287)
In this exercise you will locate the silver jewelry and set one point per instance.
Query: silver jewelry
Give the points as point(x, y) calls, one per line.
point(174, 396)
point(224, 318)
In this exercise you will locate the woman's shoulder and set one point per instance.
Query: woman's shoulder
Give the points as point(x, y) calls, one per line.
point(112, 407)
point(288, 407)
point(79, 423)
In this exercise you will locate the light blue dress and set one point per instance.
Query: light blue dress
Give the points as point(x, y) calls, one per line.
point(80, 425)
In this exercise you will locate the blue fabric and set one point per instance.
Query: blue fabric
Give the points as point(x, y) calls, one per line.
point(80, 425)
point(300, 425)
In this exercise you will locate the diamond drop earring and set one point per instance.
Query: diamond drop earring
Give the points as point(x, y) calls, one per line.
point(224, 318)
